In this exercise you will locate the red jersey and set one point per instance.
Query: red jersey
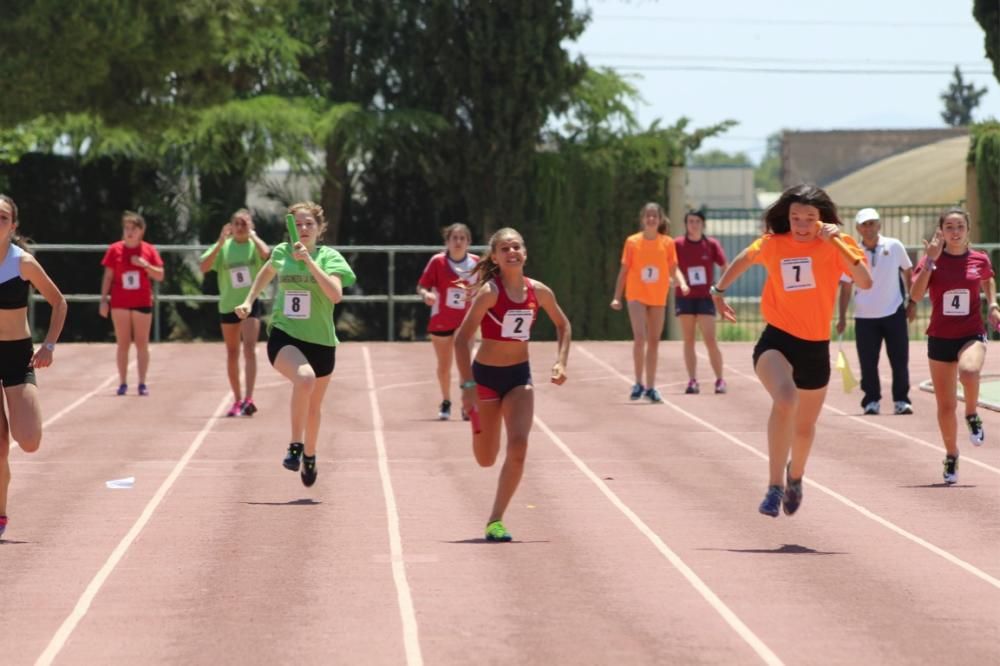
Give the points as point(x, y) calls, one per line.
point(448, 279)
point(130, 286)
point(509, 320)
point(697, 260)
point(954, 288)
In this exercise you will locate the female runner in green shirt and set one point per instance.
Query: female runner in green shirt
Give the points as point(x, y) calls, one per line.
point(301, 339)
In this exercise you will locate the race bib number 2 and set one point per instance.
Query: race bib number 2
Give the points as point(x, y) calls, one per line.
point(130, 280)
point(297, 304)
point(955, 303)
point(517, 325)
point(797, 274)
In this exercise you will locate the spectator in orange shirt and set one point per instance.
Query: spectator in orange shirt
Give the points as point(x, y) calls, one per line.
point(649, 260)
point(792, 356)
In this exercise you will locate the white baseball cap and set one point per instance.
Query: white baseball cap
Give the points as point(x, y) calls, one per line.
point(864, 215)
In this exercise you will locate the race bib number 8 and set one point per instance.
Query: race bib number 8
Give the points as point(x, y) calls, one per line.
point(955, 303)
point(697, 275)
point(239, 277)
point(650, 274)
point(517, 325)
point(797, 274)
point(130, 280)
point(455, 298)
point(297, 304)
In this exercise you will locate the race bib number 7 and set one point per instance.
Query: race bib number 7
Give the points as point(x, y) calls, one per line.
point(297, 304)
point(650, 274)
point(955, 303)
point(797, 274)
point(517, 325)
point(130, 280)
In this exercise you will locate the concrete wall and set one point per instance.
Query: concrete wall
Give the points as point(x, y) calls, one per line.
point(720, 187)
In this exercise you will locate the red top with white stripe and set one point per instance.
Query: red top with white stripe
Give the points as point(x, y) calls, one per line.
point(509, 320)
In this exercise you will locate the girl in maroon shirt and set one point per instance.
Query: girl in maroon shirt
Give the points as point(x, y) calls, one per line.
point(956, 338)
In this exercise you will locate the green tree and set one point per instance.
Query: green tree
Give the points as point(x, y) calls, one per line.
point(710, 158)
point(987, 13)
point(960, 100)
point(767, 175)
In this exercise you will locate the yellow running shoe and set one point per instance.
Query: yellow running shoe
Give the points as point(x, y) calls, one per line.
point(495, 531)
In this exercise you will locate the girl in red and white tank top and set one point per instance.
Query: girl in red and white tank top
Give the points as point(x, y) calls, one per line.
point(444, 287)
point(497, 387)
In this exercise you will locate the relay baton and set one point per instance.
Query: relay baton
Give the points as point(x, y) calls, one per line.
point(474, 421)
point(844, 248)
point(293, 231)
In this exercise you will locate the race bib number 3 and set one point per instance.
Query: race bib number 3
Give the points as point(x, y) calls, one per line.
point(517, 325)
point(650, 274)
point(955, 303)
point(239, 277)
point(297, 304)
point(697, 275)
point(130, 280)
point(797, 274)
point(455, 298)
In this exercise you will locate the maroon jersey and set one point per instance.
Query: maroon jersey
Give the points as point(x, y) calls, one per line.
point(954, 290)
point(697, 260)
point(508, 320)
point(448, 279)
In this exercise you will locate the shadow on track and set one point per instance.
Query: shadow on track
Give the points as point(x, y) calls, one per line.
point(786, 549)
point(305, 501)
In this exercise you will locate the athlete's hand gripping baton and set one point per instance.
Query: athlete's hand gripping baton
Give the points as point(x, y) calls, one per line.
point(844, 248)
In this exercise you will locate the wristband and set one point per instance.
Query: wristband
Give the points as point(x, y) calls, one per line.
point(51, 346)
point(468, 384)
point(715, 291)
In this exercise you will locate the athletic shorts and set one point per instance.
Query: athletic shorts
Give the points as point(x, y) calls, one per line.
point(443, 334)
point(321, 358)
point(15, 360)
point(810, 359)
point(694, 306)
point(256, 311)
point(145, 309)
point(946, 349)
point(493, 382)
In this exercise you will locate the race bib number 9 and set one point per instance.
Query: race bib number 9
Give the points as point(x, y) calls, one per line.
point(955, 303)
point(797, 274)
point(697, 275)
point(130, 280)
point(455, 298)
point(650, 274)
point(297, 304)
point(239, 277)
point(517, 325)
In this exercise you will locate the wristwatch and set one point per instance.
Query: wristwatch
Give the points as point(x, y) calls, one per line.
point(51, 346)
point(715, 291)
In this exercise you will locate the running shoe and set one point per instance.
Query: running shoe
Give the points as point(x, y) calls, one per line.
point(444, 413)
point(236, 409)
point(637, 391)
point(951, 469)
point(793, 493)
point(3, 524)
point(902, 407)
point(692, 387)
point(294, 456)
point(122, 389)
point(308, 470)
point(976, 433)
point(654, 396)
point(495, 531)
point(871, 408)
point(771, 506)
point(143, 390)
point(720, 385)
point(248, 408)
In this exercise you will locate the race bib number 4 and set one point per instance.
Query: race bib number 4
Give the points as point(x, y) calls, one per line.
point(797, 274)
point(517, 325)
point(455, 298)
point(130, 280)
point(239, 277)
point(956, 303)
point(650, 274)
point(297, 304)
point(697, 275)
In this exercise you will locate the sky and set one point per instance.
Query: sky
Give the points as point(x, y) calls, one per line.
point(744, 51)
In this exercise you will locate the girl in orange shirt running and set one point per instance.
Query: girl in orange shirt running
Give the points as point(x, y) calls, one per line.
point(649, 260)
point(792, 356)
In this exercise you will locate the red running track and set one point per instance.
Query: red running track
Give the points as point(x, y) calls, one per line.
point(637, 537)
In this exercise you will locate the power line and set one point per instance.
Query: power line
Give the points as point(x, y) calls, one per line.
point(834, 23)
point(789, 70)
point(763, 59)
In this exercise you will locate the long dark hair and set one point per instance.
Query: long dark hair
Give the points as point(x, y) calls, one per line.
point(776, 217)
point(486, 269)
point(17, 239)
point(955, 210)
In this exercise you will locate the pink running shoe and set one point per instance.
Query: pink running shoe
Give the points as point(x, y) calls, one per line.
point(3, 524)
point(236, 409)
point(720, 385)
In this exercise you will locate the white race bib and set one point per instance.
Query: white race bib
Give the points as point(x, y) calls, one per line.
point(650, 274)
point(297, 304)
point(697, 275)
point(130, 280)
point(455, 298)
point(517, 325)
point(239, 277)
point(955, 303)
point(797, 274)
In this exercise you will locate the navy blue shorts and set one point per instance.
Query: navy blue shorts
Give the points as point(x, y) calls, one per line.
point(694, 306)
point(946, 349)
point(493, 382)
point(810, 359)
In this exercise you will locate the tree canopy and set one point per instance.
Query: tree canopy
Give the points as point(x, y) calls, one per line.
point(960, 100)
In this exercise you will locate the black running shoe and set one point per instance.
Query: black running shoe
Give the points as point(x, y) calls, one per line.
point(444, 412)
point(294, 456)
point(308, 470)
point(793, 493)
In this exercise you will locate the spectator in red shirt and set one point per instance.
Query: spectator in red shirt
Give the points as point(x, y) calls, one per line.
point(956, 338)
point(127, 294)
point(698, 256)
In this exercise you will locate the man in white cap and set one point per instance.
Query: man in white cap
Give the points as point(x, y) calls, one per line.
point(881, 313)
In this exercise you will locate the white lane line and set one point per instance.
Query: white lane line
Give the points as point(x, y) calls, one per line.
point(411, 634)
point(871, 423)
point(83, 604)
point(697, 583)
point(975, 571)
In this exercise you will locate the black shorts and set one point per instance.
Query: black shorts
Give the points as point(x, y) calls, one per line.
point(694, 306)
point(321, 358)
point(493, 382)
point(946, 349)
point(443, 334)
point(15, 360)
point(810, 359)
point(256, 311)
point(144, 309)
